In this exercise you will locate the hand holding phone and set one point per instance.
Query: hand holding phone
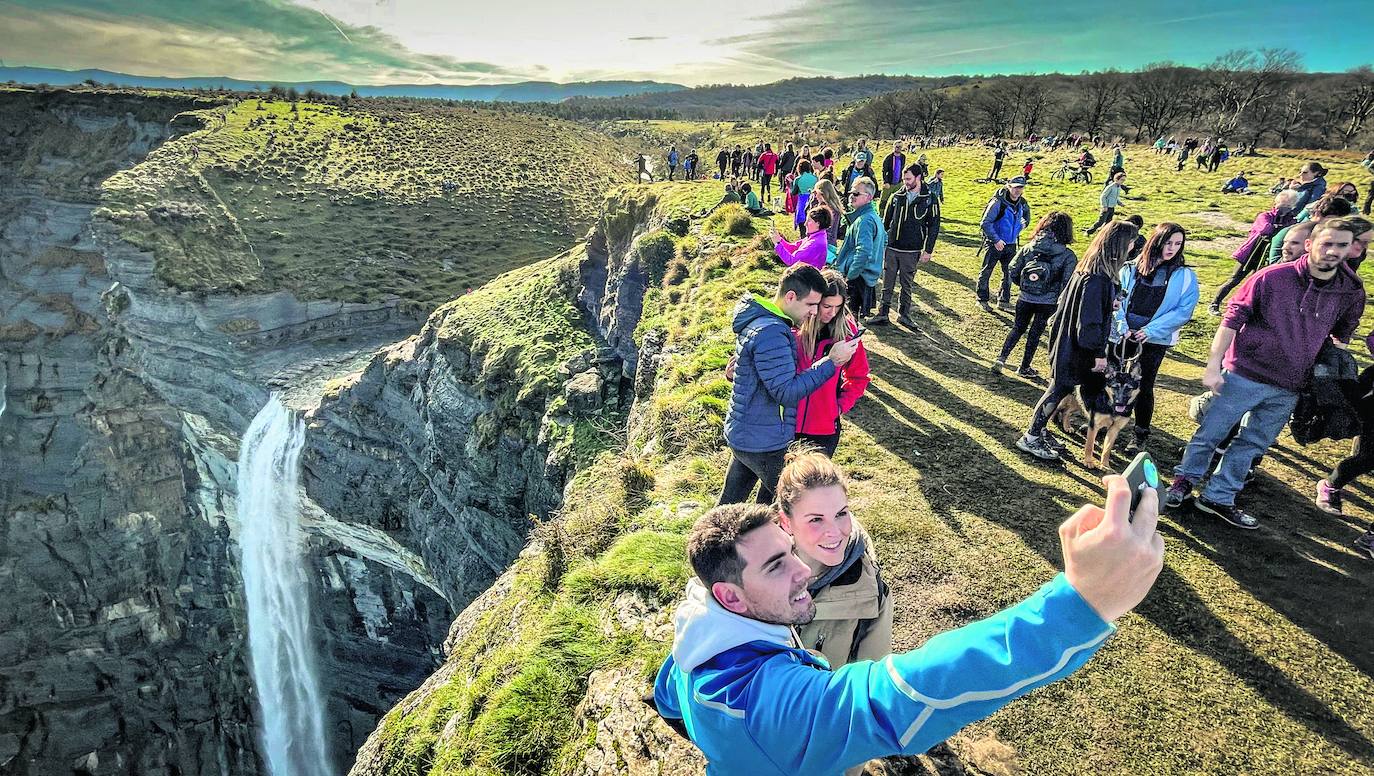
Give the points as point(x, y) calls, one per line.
point(862, 330)
point(1141, 473)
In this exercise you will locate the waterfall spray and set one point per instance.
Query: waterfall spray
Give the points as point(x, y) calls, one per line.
point(277, 597)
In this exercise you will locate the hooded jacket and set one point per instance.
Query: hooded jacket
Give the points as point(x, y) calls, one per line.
point(1003, 219)
point(819, 413)
point(1282, 317)
point(910, 220)
point(756, 703)
point(1266, 224)
point(762, 416)
point(1059, 256)
point(1176, 309)
point(853, 606)
point(865, 242)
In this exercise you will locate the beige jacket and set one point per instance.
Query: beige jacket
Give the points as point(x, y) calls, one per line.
point(841, 606)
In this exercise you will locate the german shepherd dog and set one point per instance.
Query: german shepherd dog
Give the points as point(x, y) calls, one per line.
point(1106, 410)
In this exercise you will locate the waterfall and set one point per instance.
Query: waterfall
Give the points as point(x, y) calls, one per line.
point(277, 596)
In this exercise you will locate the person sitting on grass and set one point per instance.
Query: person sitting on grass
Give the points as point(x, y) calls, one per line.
point(1273, 330)
point(760, 421)
point(730, 197)
point(751, 201)
point(1237, 185)
point(755, 702)
point(1041, 269)
point(811, 249)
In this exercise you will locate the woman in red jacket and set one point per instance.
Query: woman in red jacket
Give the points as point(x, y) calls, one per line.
point(818, 415)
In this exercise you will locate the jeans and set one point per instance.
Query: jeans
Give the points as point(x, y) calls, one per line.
point(1031, 318)
point(1104, 218)
point(745, 470)
point(1269, 406)
point(899, 264)
point(826, 442)
point(992, 258)
point(860, 297)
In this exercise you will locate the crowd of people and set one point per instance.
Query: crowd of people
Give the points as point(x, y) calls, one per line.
point(787, 581)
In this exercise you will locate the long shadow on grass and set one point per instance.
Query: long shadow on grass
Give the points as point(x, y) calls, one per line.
point(1324, 598)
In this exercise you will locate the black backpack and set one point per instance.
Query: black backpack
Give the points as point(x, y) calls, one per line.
point(1037, 274)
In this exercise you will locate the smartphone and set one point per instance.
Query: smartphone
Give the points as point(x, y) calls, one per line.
point(862, 330)
point(1140, 474)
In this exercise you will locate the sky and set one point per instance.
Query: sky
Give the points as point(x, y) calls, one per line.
point(692, 43)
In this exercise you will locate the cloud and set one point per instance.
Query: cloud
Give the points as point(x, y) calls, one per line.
point(255, 40)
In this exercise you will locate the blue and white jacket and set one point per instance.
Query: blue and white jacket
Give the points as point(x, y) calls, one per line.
point(756, 704)
point(1180, 299)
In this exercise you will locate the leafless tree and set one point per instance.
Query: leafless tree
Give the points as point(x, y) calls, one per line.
point(1240, 80)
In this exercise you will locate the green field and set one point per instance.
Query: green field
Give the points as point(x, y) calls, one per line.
point(1251, 656)
point(352, 203)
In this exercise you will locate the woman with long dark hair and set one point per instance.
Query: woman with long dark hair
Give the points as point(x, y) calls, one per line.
point(1160, 293)
point(1080, 332)
point(1041, 270)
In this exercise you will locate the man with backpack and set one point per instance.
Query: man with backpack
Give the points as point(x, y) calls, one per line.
point(909, 220)
point(1261, 358)
point(761, 420)
point(1005, 216)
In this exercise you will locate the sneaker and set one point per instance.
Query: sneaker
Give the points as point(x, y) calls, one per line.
point(1029, 373)
point(1036, 446)
point(987, 308)
point(1213, 310)
point(905, 320)
point(1006, 306)
point(1053, 442)
point(1179, 491)
point(1366, 543)
point(876, 320)
point(1230, 513)
point(999, 365)
point(1329, 499)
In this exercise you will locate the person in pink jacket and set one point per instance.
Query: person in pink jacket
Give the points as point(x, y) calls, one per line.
point(818, 415)
point(812, 248)
point(1251, 253)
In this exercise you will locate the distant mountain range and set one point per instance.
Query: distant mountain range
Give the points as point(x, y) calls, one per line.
point(524, 91)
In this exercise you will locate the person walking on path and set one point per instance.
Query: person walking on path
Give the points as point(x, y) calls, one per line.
point(768, 167)
point(761, 419)
point(1261, 356)
point(860, 257)
point(1251, 254)
point(1080, 333)
point(1161, 293)
point(672, 161)
point(642, 162)
point(1006, 214)
point(723, 161)
point(999, 155)
point(1108, 200)
point(908, 219)
point(1042, 270)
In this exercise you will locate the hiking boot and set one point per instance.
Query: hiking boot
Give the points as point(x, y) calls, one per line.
point(987, 308)
point(1006, 306)
point(1029, 373)
point(877, 320)
point(1366, 543)
point(999, 365)
point(1329, 499)
point(1138, 441)
point(905, 320)
point(1231, 514)
point(1179, 491)
point(1036, 446)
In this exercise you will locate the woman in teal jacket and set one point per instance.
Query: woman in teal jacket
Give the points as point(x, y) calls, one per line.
point(1161, 293)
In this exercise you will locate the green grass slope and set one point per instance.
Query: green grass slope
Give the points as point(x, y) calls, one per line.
point(1251, 655)
point(351, 204)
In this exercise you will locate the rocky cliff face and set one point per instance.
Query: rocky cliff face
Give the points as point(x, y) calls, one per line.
point(122, 634)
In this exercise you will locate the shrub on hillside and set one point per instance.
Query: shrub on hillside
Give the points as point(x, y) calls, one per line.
point(654, 251)
point(730, 220)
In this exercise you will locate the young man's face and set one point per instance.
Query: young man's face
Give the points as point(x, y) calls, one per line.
point(772, 587)
point(910, 181)
point(1014, 192)
point(1295, 244)
point(801, 308)
point(1326, 250)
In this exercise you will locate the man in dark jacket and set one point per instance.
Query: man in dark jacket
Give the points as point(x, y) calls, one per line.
point(723, 161)
point(894, 164)
point(1261, 356)
point(762, 417)
point(854, 172)
point(787, 163)
point(909, 220)
point(1005, 216)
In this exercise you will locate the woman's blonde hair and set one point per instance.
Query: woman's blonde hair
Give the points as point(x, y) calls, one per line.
point(813, 330)
point(806, 468)
point(831, 197)
point(1109, 250)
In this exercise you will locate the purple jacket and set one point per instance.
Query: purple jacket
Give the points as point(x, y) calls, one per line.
point(1266, 224)
point(809, 250)
point(1282, 318)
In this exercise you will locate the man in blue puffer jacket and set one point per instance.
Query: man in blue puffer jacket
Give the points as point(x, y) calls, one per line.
point(762, 418)
point(738, 685)
point(1005, 216)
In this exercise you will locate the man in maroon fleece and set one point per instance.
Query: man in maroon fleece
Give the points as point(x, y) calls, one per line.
point(1261, 356)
